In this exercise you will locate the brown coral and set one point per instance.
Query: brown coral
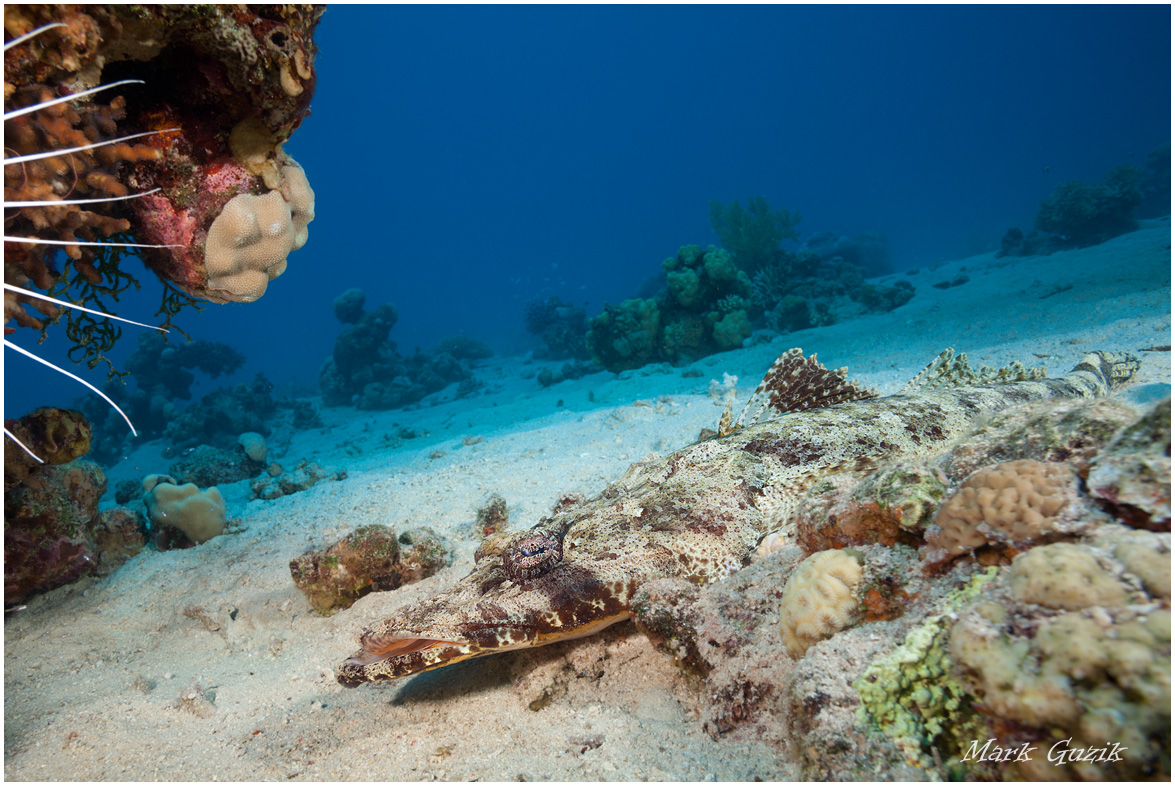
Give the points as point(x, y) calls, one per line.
point(371, 558)
point(1007, 505)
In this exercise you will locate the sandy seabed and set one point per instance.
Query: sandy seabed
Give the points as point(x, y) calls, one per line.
point(208, 664)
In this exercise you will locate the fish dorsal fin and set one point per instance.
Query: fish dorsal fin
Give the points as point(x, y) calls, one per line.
point(949, 370)
point(793, 384)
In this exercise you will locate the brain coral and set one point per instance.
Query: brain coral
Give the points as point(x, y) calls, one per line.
point(1008, 504)
point(819, 599)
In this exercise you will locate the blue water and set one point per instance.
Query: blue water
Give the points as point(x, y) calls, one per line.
point(469, 159)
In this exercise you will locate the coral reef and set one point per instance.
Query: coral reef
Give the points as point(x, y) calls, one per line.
point(560, 325)
point(226, 86)
point(1015, 243)
point(223, 415)
point(207, 466)
point(182, 514)
point(370, 559)
point(53, 532)
point(279, 483)
point(624, 336)
point(348, 307)
point(162, 374)
point(1156, 183)
point(56, 436)
point(48, 521)
point(866, 250)
point(366, 370)
point(1085, 214)
point(702, 310)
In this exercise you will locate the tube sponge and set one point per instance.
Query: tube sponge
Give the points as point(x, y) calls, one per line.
point(198, 514)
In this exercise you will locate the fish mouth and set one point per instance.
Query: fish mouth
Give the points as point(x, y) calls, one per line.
point(388, 657)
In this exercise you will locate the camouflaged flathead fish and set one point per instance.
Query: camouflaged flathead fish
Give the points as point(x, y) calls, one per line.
point(699, 513)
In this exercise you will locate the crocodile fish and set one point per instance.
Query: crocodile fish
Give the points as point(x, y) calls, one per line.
point(700, 512)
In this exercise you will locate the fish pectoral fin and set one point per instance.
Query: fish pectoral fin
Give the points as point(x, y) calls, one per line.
point(378, 648)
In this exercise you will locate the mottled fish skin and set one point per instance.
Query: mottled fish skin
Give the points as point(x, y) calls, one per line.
point(697, 514)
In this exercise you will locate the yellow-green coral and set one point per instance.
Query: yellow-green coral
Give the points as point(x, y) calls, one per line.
point(912, 696)
point(732, 330)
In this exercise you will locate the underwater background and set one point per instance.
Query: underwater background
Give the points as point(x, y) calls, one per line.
point(468, 161)
point(553, 251)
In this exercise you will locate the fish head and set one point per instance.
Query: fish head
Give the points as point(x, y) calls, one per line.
point(523, 593)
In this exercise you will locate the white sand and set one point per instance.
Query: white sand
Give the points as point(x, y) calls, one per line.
point(94, 672)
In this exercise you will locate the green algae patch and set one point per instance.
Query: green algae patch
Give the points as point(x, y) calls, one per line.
point(913, 698)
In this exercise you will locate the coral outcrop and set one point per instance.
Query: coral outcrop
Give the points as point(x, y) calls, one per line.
point(207, 466)
point(225, 87)
point(48, 523)
point(365, 369)
point(305, 475)
point(561, 326)
point(702, 310)
point(53, 532)
point(371, 559)
point(1085, 214)
point(55, 435)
